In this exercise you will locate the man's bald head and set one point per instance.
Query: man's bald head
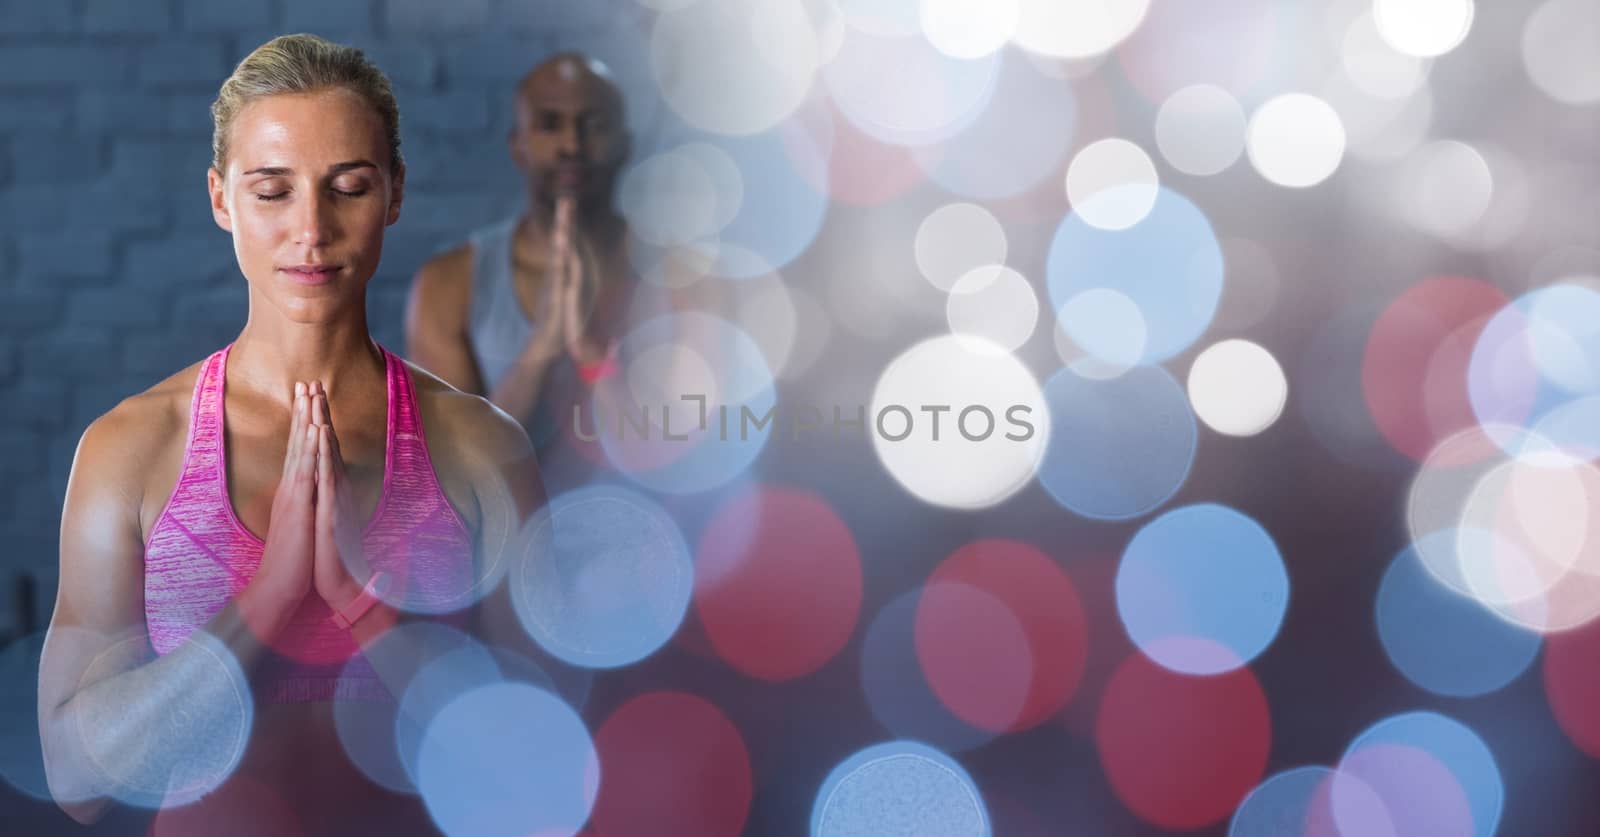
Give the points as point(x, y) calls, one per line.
point(572, 74)
point(570, 135)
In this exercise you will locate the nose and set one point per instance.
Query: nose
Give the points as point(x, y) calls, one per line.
point(315, 222)
point(574, 139)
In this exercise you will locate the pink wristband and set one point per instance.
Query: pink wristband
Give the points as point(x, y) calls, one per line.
point(603, 368)
point(347, 617)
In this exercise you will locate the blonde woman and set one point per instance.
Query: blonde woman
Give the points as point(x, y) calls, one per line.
point(258, 512)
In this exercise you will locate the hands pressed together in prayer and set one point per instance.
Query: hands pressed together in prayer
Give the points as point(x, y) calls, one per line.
point(568, 297)
point(313, 539)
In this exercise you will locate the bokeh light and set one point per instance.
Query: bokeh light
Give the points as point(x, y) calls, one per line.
point(209, 733)
point(1202, 589)
point(1112, 184)
point(776, 222)
point(968, 28)
point(1558, 50)
point(956, 239)
point(770, 47)
point(927, 99)
point(1015, 143)
point(779, 602)
point(1450, 188)
point(1535, 354)
point(1228, 43)
point(21, 756)
point(1295, 803)
point(861, 169)
point(1182, 751)
point(1119, 447)
point(1076, 30)
point(508, 758)
point(1375, 67)
point(604, 578)
point(1200, 129)
point(1572, 685)
point(1414, 370)
point(1169, 264)
point(994, 305)
point(897, 690)
point(900, 787)
point(689, 374)
point(1423, 28)
point(1237, 388)
point(1443, 641)
point(1433, 774)
point(1295, 140)
point(1001, 635)
point(1105, 332)
point(958, 423)
point(673, 764)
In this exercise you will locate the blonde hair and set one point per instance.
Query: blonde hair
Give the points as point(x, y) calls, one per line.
point(303, 64)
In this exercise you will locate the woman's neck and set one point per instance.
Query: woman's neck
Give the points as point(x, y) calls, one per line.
point(272, 353)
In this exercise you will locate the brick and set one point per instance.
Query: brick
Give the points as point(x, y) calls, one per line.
point(500, 61)
point(321, 15)
point(34, 17)
point(453, 212)
point(189, 116)
point(561, 16)
point(181, 261)
point(153, 357)
point(44, 113)
point(461, 112)
point(22, 65)
point(121, 112)
point(29, 209)
point(149, 163)
point(30, 307)
point(39, 509)
point(54, 160)
point(223, 305)
point(35, 402)
point(183, 63)
point(114, 306)
point(436, 15)
point(48, 255)
point(409, 63)
point(120, 17)
point(22, 454)
point(224, 15)
point(92, 401)
point(71, 352)
point(469, 163)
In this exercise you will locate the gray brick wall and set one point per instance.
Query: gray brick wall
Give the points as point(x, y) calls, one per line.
point(112, 273)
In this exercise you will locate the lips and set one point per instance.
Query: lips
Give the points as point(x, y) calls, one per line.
point(311, 274)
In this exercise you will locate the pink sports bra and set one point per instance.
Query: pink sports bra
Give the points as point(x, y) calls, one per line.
point(199, 555)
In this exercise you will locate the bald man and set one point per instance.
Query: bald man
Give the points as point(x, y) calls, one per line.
point(525, 312)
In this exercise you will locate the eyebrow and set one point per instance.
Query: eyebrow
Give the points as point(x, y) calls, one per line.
point(336, 168)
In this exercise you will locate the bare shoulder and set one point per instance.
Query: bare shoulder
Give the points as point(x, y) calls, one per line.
point(125, 454)
point(474, 429)
point(446, 277)
point(140, 428)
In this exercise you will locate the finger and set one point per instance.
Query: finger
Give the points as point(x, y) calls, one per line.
point(291, 453)
point(325, 478)
point(306, 474)
point(319, 409)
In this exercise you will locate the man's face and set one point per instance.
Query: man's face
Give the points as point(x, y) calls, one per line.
point(569, 135)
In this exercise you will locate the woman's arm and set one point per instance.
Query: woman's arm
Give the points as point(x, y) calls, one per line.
point(113, 720)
